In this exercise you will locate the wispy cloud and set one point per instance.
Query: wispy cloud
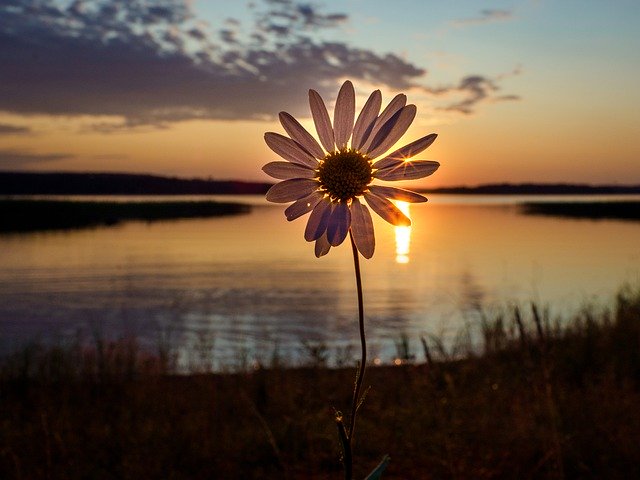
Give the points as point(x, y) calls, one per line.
point(475, 89)
point(156, 63)
point(485, 16)
point(6, 129)
point(18, 160)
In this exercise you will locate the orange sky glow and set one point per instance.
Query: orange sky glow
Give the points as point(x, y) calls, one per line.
point(527, 93)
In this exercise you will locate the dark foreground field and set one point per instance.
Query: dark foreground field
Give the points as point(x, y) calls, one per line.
point(538, 402)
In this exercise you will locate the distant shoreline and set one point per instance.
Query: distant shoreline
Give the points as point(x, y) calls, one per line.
point(42, 215)
point(19, 213)
point(30, 215)
point(41, 183)
point(610, 210)
point(27, 183)
point(538, 189)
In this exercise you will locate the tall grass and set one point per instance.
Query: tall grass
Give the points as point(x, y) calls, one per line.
point(540, 399)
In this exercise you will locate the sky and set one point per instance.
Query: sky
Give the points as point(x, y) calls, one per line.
point(517, 91)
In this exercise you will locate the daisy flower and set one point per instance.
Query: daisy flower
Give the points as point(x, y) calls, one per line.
point(331, 181)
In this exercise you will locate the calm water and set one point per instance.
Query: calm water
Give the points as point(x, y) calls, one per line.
point(250, 285)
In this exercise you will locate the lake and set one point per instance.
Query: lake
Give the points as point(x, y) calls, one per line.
point(249, 286)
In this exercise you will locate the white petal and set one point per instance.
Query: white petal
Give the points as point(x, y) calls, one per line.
point(290, 190)
point(321, 120)
point(362, 229)
point(387, 210)
point(322, 246)
point(409, 170)
point(407, 151)
point(398, 102)
point(318, 221)
point(287, 170)
point(397, 194)
point(391, 131)
point(366, 119)
point(302, 206)
point(298, 133)
point(344, 113)
point(339, 224)
point(289, 150)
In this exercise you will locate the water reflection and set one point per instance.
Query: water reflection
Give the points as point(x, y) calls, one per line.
point(472, 295)
point(403, 236)
point(251, 285)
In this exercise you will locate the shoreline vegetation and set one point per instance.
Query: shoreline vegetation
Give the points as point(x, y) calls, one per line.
point(32, 215)
point(539, 398)
point(59, 183)
point(40, 215)
point(609, 210)
point(18, 213)
point(94, 183)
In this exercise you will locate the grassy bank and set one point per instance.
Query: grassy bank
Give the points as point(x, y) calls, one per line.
point(614, 210)
point(539, 401)
point(33, 215)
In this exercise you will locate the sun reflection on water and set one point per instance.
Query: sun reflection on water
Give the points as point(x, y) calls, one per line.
point(403, 236)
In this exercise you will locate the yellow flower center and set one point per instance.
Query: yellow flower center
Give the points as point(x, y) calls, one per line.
point(344, 174)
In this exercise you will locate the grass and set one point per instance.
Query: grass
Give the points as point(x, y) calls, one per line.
point(539, 400)
point(34, 215)
point(614, 210)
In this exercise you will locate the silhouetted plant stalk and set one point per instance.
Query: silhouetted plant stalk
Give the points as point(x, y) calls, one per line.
point(346, 431)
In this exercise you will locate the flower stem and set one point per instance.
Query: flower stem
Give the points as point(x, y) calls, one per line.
point(363, 341)
point(347, 445)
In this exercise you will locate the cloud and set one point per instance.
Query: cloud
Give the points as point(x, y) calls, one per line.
point(473, 89)
point(110, 156)
point(154, 63)
point(6, 129)
point(12, 159)
point(485, 16)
